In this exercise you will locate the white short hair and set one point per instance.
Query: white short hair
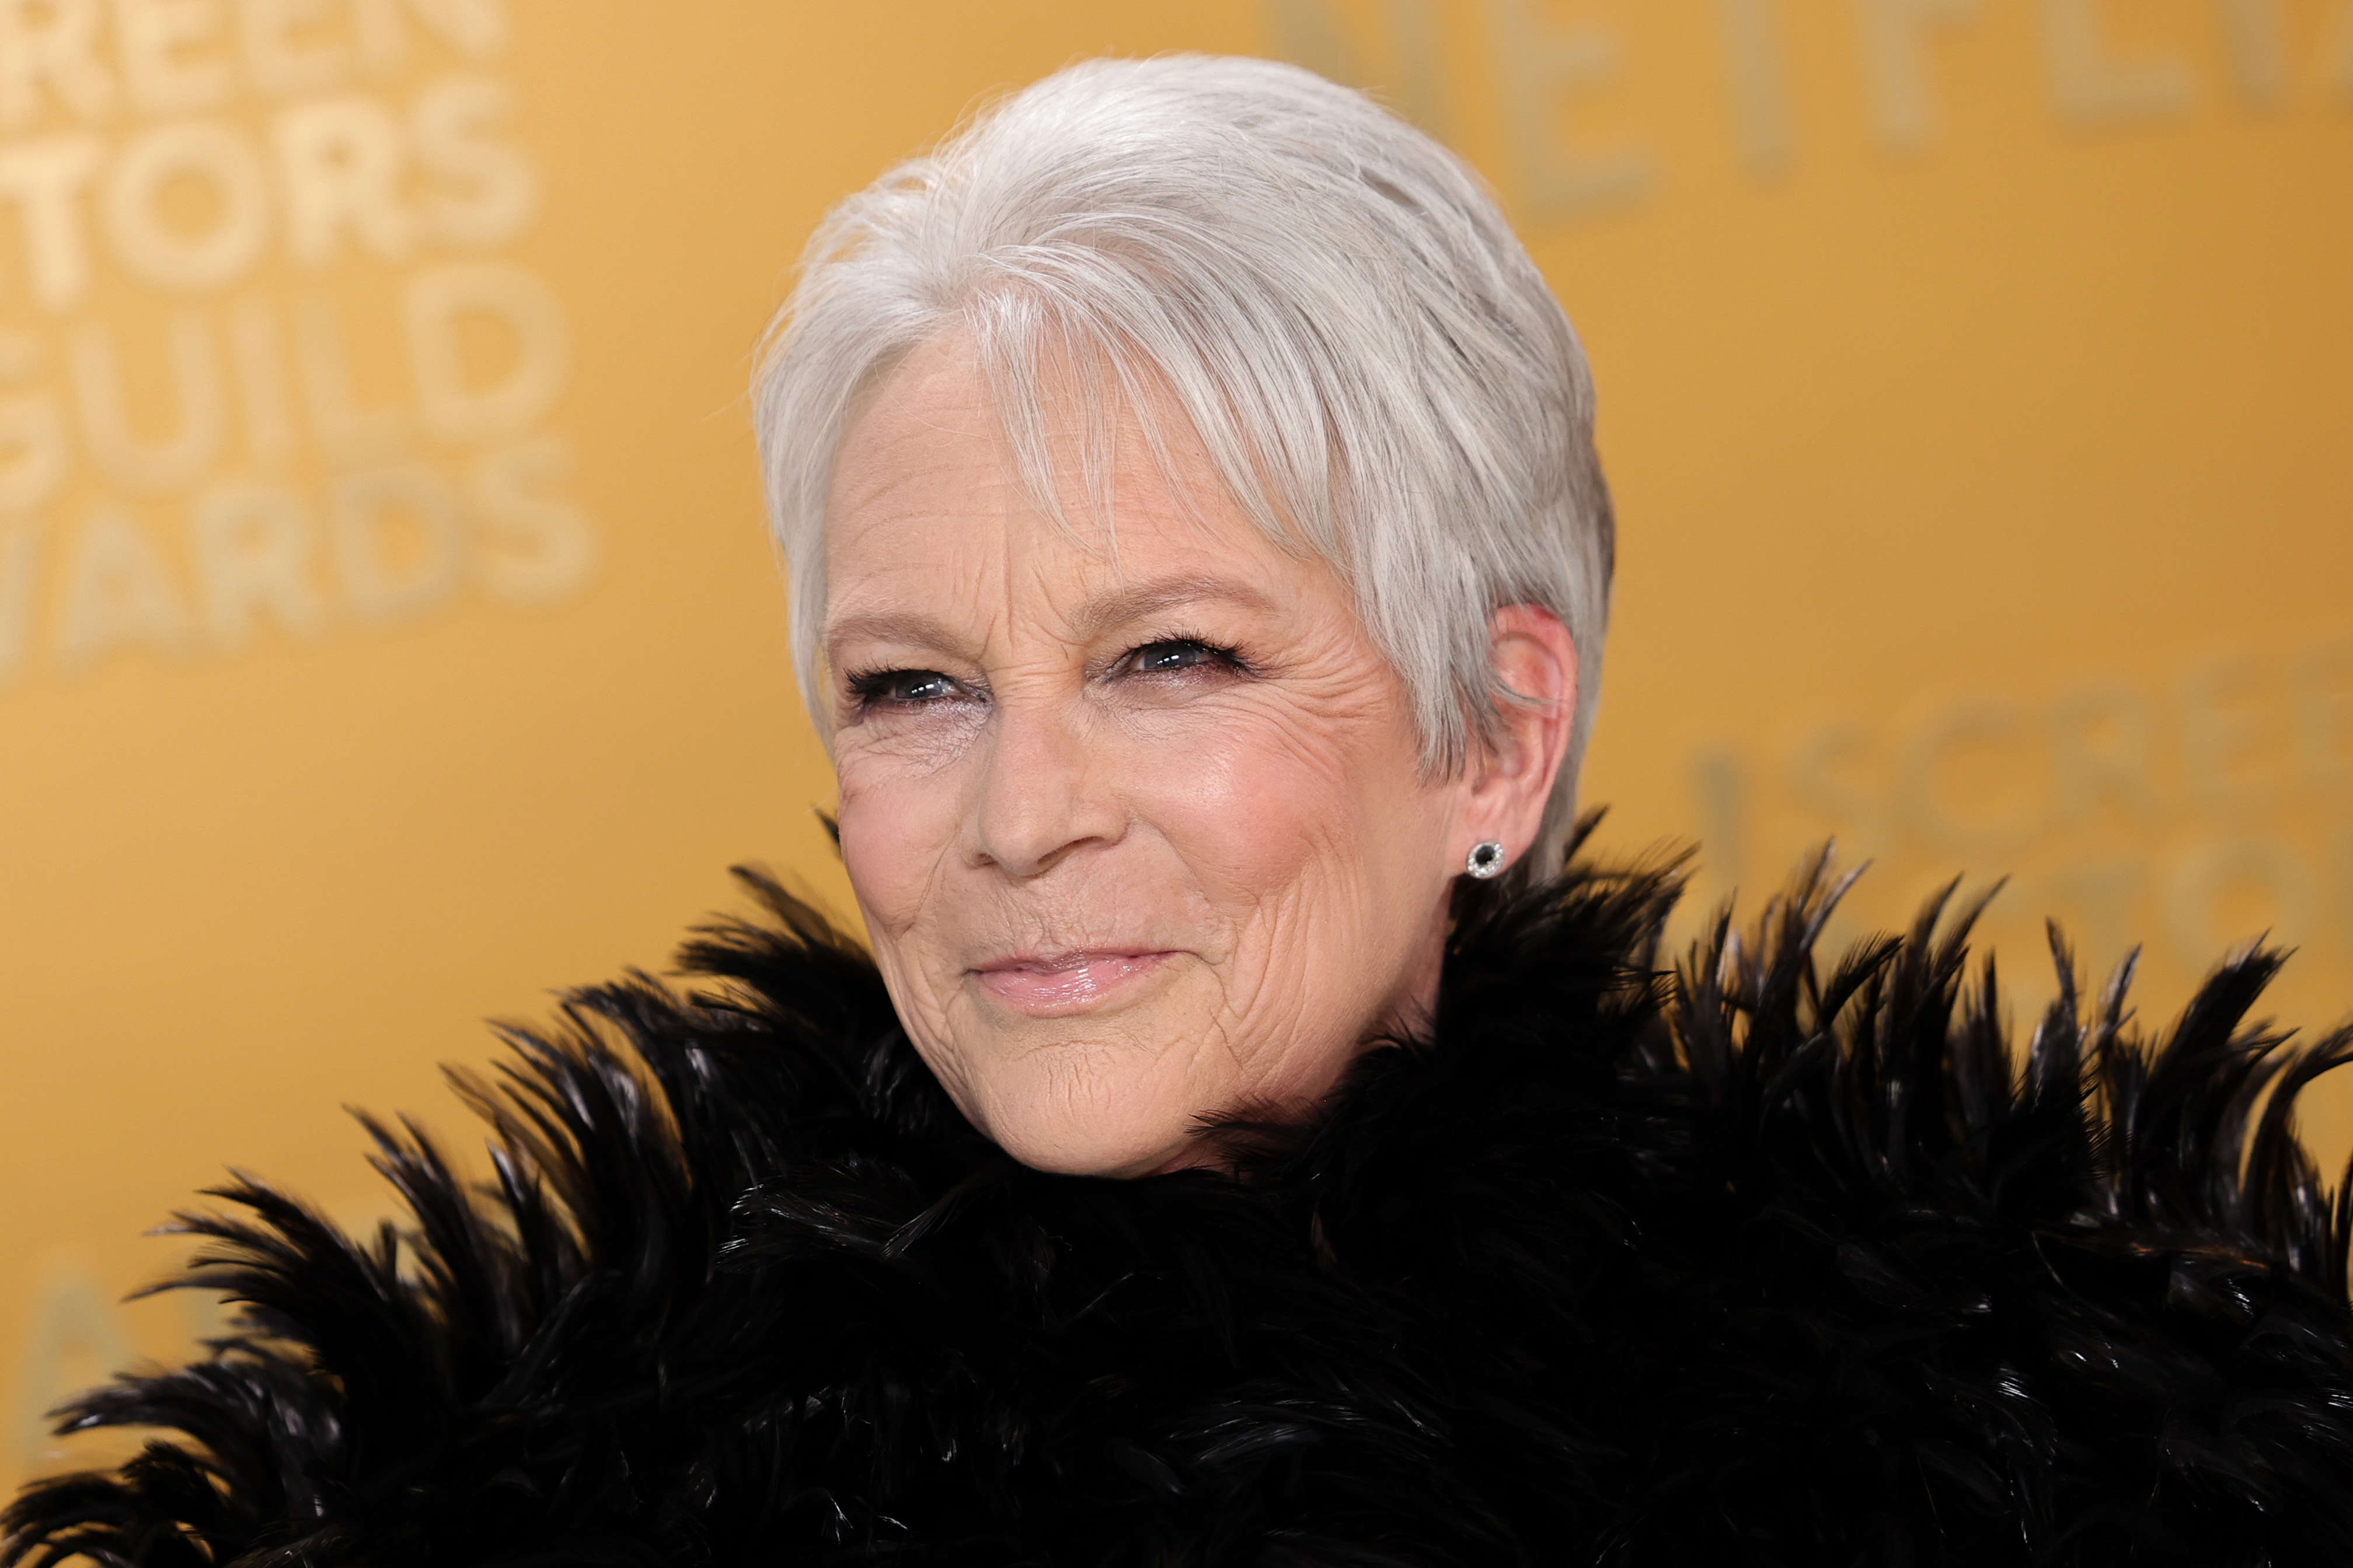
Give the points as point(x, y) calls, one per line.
point(1333, 300)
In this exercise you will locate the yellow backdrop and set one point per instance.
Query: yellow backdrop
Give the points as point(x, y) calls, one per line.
point(387, 634)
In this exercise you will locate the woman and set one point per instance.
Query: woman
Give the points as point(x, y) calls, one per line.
point(1244, 1143)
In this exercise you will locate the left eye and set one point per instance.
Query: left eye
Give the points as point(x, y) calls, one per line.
point(1179, 656)
point(1160, 657)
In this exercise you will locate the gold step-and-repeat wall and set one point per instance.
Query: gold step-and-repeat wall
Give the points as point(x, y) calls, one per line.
point(387, 634)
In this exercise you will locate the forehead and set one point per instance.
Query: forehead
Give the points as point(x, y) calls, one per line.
point(927, 495)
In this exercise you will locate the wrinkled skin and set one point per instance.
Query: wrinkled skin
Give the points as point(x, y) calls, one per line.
point(1140, 837)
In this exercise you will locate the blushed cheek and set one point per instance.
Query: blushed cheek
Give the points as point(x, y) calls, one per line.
point(1314, 831)
point(1270, 832)
point(1271, 811)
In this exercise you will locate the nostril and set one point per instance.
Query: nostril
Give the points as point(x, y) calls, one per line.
point(1037, 807)
point(1031, 804)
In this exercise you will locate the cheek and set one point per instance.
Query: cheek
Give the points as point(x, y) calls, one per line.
point(899, 829)
point(1297, 808)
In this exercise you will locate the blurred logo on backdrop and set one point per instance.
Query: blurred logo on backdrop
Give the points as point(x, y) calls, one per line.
point(2177, 815)
point(1540, 66)
point(2175, 812)
point(267, 367)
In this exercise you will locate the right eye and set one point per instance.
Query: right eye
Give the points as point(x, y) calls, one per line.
point(901, 688)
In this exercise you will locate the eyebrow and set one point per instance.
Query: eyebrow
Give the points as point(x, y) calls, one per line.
point(1148, 599)
point(888, 625)
point(1098, 615)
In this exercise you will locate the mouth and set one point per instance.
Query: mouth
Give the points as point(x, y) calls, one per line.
point(1057, 984)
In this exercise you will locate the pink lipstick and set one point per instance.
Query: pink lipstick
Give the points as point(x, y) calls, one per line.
point(1051, 984)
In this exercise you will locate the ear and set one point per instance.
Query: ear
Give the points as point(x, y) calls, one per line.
point(1511, 780)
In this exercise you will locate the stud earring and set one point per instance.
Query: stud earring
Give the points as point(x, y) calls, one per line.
point(1486, 861)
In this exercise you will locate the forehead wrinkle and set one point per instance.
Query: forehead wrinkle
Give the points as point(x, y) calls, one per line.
point(921, 418)
point(890, 626)
point(874, 475)
point(888, 501)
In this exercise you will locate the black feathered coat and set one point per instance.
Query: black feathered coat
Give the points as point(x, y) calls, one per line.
point(1750, 1263)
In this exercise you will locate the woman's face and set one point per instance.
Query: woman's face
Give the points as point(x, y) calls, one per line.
point(1139, 833)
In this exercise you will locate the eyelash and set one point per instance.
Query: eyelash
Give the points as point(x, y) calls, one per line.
point(1230, 658)
point(870, 689)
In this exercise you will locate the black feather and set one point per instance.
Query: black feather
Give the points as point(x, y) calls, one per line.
point(1758, 1261)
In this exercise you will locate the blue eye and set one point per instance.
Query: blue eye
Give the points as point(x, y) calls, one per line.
point(1174, 657)
point(905, 688)
point(1162, 656)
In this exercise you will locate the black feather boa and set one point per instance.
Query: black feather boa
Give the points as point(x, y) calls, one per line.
point(1755, 1262)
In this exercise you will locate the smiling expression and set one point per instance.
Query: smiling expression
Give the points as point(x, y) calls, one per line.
point(1135, 817)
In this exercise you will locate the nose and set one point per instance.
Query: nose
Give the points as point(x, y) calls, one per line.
point(1045, 792)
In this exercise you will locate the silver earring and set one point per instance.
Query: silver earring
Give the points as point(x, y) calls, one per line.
point(1486, 861)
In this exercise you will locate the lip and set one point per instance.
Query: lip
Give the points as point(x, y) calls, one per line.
point(1057, 984)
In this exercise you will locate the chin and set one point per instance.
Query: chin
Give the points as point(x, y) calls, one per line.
point(1080, 1152)
point(1108, 1126)
point(1079, 1146)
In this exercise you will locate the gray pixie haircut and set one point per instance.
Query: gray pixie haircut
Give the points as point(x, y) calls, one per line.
point(1333, 300)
